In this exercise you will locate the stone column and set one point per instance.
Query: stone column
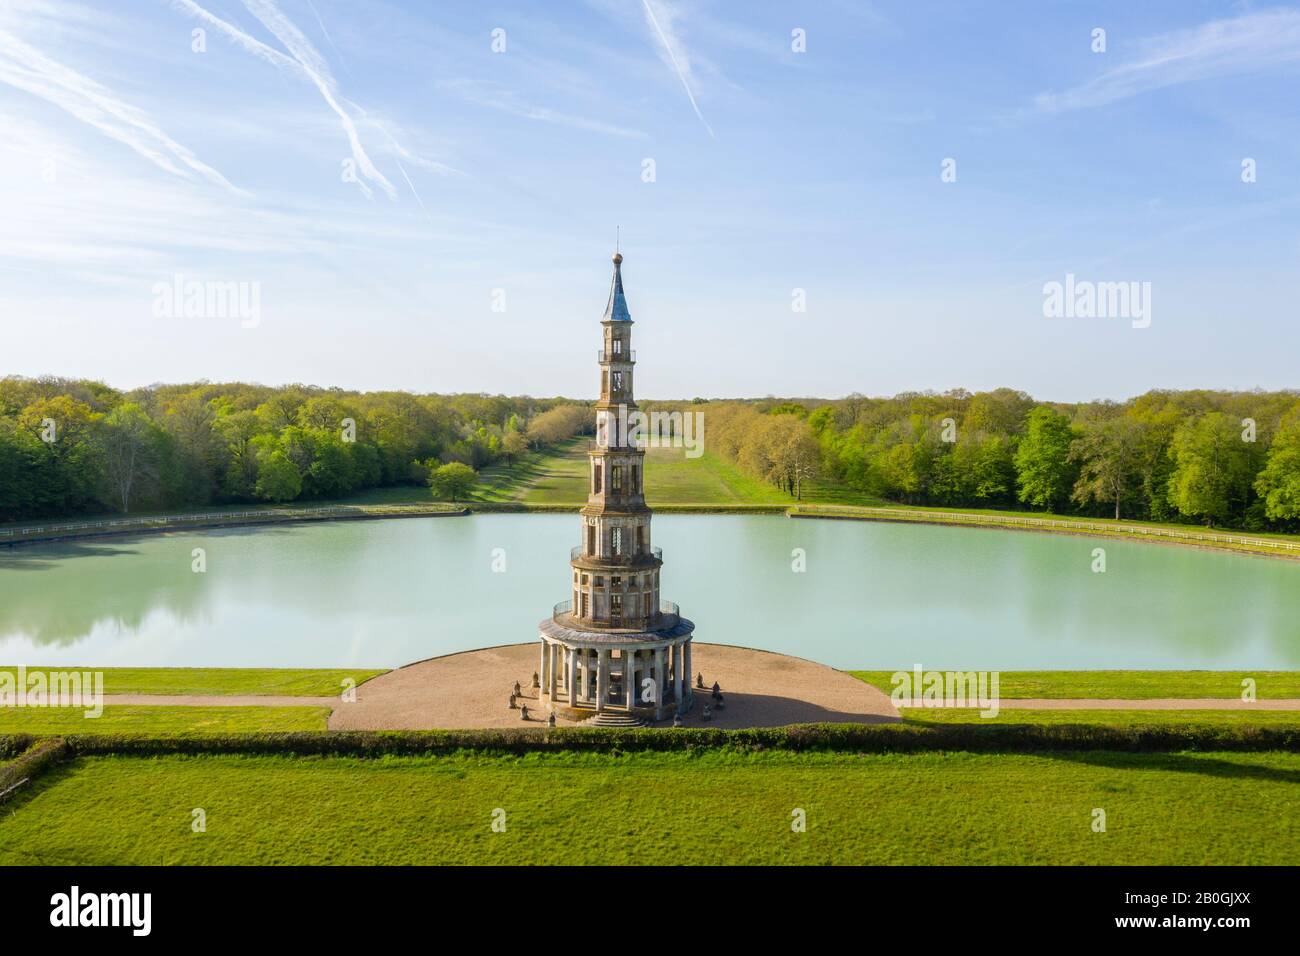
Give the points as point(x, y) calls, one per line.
point(659, 682)
point(629, 677)
point(675, 668)
point(571, 677)
point(552, 669)
point(677, 675)
point(690, 674)
point(602, 679)
point(541, 669)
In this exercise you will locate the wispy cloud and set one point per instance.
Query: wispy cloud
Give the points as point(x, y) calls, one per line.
point(494, 97)
point(400, 153)
point(328, 39)
point(249, 43)
point(1252, 43)
point(318, 71)
point(73, 228)
point(304, 61)
point(661, 20)
point(24, 67)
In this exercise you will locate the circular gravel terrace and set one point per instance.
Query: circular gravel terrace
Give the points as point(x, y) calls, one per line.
point(472, 689)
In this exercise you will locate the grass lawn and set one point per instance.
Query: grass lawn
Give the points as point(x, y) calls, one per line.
point(1244, 542)
point(719, 807)
point(160, 719)
point(389, 495)
point(1191, 719)
point(296, 682)
point(1127, 684)
point(1168, 525)
point(558, 476)
point(503, 482)
point(670, 478)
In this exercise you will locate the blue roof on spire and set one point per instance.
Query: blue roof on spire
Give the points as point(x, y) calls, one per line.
point(616, 310)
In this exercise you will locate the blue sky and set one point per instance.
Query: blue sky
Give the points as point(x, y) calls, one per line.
point(128, 158)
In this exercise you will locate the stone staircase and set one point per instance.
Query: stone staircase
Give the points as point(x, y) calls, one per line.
point(614, 718)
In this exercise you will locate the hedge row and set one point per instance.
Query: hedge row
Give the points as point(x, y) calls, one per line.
point(31, 764)
point(852, 738)
point(11, 745)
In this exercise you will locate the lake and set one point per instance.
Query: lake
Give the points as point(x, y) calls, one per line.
point(875, 596)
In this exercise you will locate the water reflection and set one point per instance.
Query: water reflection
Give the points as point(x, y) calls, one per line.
point(874, 595)
point(85, 585)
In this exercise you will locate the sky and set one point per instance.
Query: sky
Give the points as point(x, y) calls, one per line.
point(812, 199)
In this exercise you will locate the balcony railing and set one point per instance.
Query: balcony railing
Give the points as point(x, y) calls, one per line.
point(626, 356)
point(639, 444)
point(668, 615)
point(579, 552)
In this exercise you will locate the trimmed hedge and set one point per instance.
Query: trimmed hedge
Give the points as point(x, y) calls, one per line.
point(31, 764)
point(11, 745)
point(862, 738)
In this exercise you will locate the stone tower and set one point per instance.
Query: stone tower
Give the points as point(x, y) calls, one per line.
point(616, 645)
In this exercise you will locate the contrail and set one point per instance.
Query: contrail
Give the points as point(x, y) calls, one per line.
point(676, 66)
point(26, 68)
point(318, 72)
point(329, 39)
point(252, 45)
point(306, 62)
point(397, 159)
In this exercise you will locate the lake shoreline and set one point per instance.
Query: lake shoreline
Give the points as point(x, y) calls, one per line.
point(110, 529)
point(1199, 540)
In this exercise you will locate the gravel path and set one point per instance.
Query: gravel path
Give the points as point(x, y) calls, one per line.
point(761, 689)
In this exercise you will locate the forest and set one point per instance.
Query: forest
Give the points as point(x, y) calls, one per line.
point(71, 447)
point(1227, 459)
point(1218, 458)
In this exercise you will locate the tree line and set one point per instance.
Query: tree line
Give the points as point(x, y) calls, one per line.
point(70, 447)
point(1213, 457)
point(1230, 459)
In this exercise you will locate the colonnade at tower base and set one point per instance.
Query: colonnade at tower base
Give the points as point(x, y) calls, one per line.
point(583, 674)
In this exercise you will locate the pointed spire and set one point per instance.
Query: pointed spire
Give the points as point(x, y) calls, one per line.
point(616, 309)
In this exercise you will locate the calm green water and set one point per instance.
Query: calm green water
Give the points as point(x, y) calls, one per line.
point(384, 593)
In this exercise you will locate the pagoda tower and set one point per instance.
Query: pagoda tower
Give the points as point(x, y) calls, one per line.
point(616, 653)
